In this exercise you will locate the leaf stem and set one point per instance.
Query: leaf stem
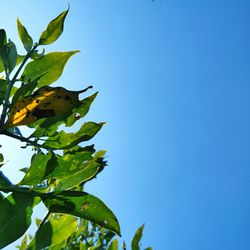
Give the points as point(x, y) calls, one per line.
point(20, 138)
point(7, 95)
point(84, 90)
point(24, 61)
point(27, 190)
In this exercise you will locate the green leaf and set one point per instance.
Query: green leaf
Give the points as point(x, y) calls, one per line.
point(1, 64)
point(13, 91)
point(36, 55)
point(53, 232)
point(24, 90)
point(38, 222)
point(48, 126)
point(82, 110)
point(24, 244)
point(83, 205)
point(1, 197)
point(124, 247)
point(50, 66)
point(24, 36)
point(113, 245)
point(15, 217)
point(83, 246)
point(11, 57)
point(4, 181)
point(72, 170)
point(40, 168)
point(79, 150)
point(3, 39)
point(18, 61)
point(24, 170)
point(53, 30)
point(60, 246)
point(3, 90)
point(68, 140)
point(135, 244)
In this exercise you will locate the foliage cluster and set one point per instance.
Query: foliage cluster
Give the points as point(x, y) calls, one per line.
point(60, 165)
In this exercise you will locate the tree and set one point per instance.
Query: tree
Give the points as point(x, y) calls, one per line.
point(60, 165)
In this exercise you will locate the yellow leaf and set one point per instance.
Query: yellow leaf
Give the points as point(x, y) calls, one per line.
point(45, 102)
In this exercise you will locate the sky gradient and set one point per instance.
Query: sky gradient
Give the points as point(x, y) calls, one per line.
point(173, 81)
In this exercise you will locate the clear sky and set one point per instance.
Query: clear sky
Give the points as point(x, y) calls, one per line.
point(174, 88)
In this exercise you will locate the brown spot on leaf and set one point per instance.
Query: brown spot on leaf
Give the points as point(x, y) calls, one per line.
point(67, 98)
point(42, 113)
point(84, 206)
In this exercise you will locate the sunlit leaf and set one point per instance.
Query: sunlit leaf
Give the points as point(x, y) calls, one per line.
point(54, 231)
point(135, 244)
point(73, 170)
point(53, 30)
point(70, 170)
point(24, 90)
point(113, 245)
point(65, 140)
point(38, 222)
point(50, 65)
point(15, 217)
point(59, 246)
point(36, 55)
point(45, 102)
point(83, 246)
point(19, 59)
point(83, 205)
point(24, 244)
point(48, 126)
point(79, 150)
point(41, 166)
point(81, 110)
point(24, 36)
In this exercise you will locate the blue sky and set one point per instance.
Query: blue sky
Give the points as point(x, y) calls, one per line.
point(173, 78)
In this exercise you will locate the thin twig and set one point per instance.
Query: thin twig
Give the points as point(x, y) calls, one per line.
point(23, 62)
point(7, 95)
point(20, 138)
point(44, 220)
